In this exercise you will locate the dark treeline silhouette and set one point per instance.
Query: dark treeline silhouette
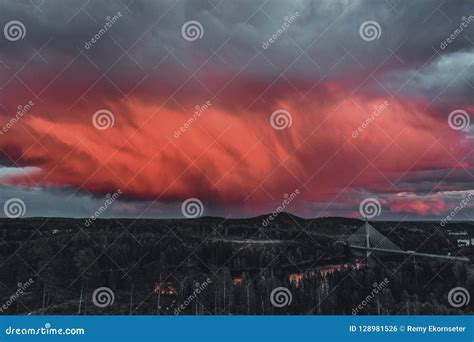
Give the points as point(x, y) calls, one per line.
point(155, 266)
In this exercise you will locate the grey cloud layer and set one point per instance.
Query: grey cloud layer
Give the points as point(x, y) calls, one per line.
point(328, 31)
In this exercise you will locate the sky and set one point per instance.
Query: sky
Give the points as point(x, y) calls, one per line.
point(318, 108)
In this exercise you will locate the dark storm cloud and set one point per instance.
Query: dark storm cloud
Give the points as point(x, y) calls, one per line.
point(328, 29)
point(145, 54)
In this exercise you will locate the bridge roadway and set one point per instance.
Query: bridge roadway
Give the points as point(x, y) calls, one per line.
point(447, 257)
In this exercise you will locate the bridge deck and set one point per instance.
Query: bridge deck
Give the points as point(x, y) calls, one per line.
point(448, 257)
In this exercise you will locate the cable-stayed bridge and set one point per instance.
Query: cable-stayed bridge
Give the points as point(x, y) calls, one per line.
point(367, 240)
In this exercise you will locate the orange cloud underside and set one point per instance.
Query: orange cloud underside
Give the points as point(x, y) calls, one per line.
point(234, 156)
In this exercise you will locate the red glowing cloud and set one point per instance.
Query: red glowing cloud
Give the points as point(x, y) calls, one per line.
point(234, 157)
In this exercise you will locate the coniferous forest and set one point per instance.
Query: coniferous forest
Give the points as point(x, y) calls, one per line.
point(216, 266)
